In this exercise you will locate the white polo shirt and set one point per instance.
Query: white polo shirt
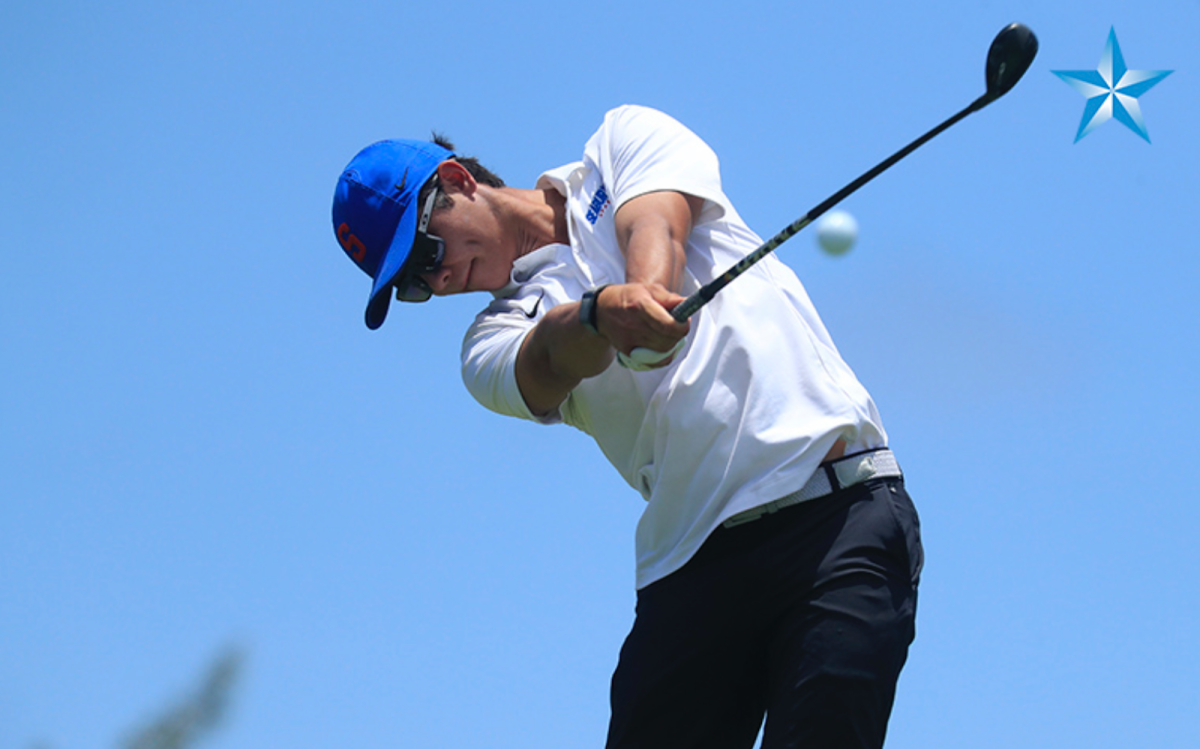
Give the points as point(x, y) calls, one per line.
point(754, 401)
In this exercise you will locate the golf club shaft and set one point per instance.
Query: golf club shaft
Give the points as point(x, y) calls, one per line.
point(692, 304)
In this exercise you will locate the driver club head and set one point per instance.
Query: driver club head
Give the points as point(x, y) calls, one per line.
point(1010, 56)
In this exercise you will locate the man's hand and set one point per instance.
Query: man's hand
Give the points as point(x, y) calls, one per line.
point(637, 315)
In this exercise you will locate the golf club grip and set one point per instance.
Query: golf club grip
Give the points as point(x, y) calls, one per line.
point(704, 295)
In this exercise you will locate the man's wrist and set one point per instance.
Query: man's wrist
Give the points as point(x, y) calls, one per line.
point(589, 306)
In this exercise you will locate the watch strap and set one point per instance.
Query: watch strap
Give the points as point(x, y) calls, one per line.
point(588, 307)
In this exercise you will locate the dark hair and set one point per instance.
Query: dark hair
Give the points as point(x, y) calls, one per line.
point(478, 171)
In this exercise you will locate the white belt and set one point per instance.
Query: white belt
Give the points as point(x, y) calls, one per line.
point(830, 477)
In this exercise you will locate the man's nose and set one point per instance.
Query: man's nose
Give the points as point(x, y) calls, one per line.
point(437, 280)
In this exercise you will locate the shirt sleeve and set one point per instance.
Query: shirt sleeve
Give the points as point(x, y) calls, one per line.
point(639, 150)
point(489, 362)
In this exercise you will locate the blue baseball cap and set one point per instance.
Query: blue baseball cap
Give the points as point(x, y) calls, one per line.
point(375, 213)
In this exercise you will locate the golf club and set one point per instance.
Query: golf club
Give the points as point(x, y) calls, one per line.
point(1010, 55)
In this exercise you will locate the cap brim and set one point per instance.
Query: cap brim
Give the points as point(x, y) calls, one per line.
point(390, 268)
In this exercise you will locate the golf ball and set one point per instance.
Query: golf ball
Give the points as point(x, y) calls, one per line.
point(837, 232)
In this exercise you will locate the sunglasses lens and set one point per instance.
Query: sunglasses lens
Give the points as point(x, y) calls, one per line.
point(426, 257)
point(427, 254)
point(413, 290)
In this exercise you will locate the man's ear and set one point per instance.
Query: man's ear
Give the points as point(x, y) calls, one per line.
point(455, 178)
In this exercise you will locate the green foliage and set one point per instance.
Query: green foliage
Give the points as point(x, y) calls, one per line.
point(197, 714)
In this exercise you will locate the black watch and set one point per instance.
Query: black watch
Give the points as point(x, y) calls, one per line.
point(588, 307)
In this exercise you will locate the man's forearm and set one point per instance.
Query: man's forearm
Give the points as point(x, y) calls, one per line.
point(652, 231)
point(556, 356)
point(653, 255)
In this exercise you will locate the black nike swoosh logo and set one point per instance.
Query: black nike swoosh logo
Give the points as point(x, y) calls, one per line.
point(532, 314)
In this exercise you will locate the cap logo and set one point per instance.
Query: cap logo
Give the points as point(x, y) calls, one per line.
point(351, 244)
point(403, 181)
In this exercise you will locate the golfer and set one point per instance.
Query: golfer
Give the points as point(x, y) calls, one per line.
point(778, 553)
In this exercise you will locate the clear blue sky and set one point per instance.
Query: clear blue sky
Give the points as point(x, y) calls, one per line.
point(200, 442)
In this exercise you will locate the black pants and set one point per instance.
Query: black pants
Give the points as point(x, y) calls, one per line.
point(805, 616)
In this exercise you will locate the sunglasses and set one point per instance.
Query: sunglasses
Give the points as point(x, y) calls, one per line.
point(425, 256)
